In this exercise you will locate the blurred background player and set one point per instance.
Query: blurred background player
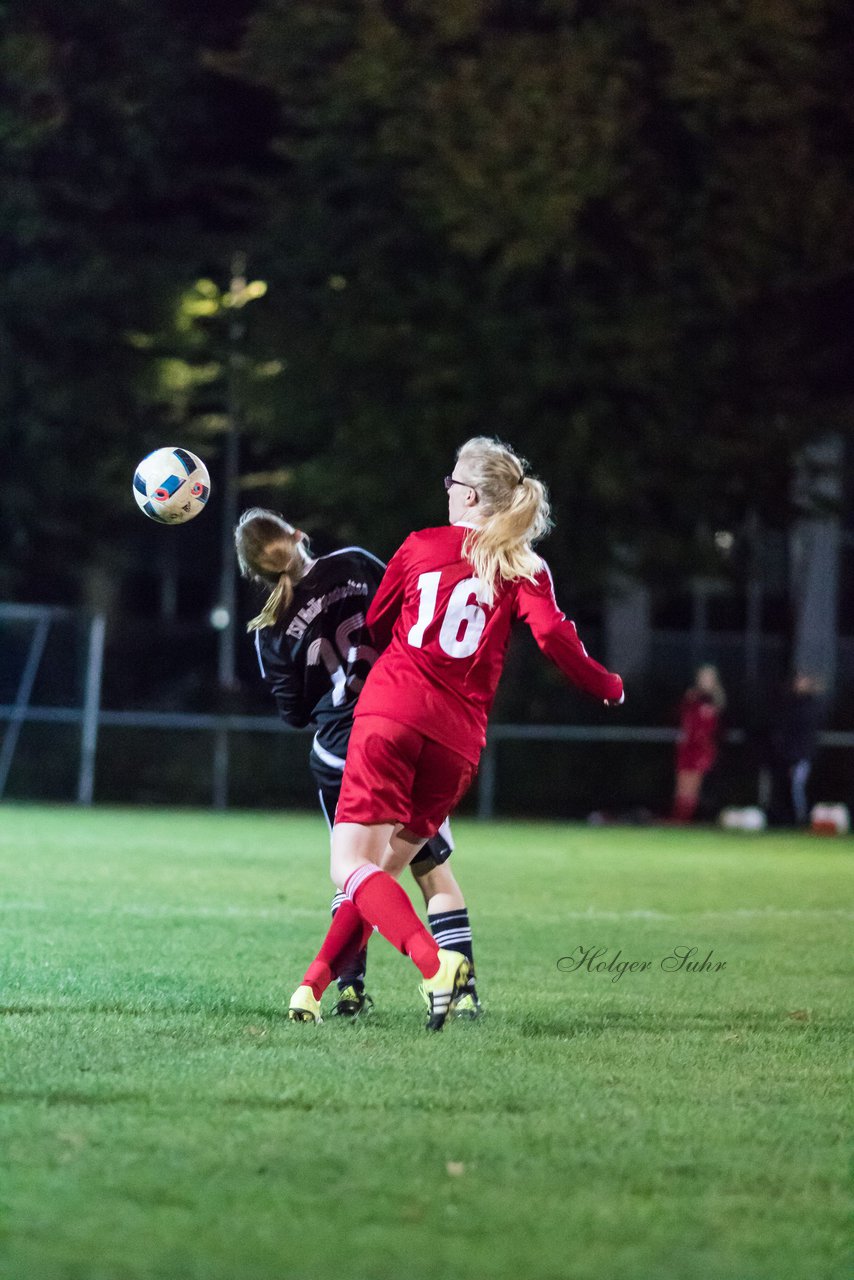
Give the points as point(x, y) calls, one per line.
point(441, 620)
point(700, 723)
point(794, 742)
point(314, 652)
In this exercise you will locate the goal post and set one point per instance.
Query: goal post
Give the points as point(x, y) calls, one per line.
point(41, 619)
point(91, 708)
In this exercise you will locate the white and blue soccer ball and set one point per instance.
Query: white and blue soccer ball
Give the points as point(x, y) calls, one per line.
point(171, 485)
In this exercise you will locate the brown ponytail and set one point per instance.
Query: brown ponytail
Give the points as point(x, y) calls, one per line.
point(271, 552)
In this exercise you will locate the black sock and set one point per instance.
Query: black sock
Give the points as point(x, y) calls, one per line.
point(354, 974)
point(452, 930)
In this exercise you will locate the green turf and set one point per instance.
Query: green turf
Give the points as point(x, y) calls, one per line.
point(160, 1119)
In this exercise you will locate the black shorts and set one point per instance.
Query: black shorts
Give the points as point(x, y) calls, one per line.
point(437, 850)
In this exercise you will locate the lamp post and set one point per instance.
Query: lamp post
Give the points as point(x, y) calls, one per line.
point(224, 616)
point(225, 613)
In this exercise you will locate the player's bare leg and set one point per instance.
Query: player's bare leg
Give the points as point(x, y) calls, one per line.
point(448, 918)
point(357, 851)
point(353, 1000)
point(355, 848)
point(687, 797)
point(439, 887)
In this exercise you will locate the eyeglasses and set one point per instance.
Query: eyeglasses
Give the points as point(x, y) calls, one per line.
point(449, 480)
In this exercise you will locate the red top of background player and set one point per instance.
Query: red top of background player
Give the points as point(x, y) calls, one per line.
point(444, 609)
point(700, 713)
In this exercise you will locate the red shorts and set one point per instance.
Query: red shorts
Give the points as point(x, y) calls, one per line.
point(395, 774)
point(694, 758)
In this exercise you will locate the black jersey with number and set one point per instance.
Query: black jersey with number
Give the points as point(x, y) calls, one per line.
point(315, 659)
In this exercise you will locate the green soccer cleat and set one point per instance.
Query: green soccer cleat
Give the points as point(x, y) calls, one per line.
point(444, 987)
point(304, 1007)
point(467, 1006)
point(352, 1002)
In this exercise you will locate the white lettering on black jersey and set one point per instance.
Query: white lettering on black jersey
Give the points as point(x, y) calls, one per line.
point(317, 657)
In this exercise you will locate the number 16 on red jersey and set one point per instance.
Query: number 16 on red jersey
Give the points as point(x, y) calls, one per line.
point(463, 621)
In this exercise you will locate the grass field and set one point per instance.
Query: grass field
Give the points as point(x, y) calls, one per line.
point(160, 1119)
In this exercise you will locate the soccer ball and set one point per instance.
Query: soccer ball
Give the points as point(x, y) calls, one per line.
point(171, 485)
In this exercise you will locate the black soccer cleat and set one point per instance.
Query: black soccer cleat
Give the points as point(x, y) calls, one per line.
point(352, 1002)
point(467, 1006)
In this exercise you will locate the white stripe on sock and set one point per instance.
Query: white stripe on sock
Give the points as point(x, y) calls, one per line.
point(445, 937)
point(358, 878)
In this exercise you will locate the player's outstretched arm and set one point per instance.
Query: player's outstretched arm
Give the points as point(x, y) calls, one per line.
point(557, 637)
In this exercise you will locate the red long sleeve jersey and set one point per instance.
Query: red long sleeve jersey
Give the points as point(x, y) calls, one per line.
point(443, 648)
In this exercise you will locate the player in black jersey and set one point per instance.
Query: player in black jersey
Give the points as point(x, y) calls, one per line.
point(315, 651)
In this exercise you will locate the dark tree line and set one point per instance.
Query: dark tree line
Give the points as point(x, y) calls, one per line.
point(619, 235)
point(125, 165)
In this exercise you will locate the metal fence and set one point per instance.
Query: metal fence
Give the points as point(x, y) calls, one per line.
point(88, 718)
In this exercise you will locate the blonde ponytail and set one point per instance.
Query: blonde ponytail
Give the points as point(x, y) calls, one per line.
point(515, 514)
point(277, 602)
point(271, 552)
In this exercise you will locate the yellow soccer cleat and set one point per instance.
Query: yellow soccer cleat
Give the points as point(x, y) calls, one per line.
point(444, 987)
point(304, 1007)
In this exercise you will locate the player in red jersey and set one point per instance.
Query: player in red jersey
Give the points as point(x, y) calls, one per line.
point(700, 713)
point(442, 619)
point(314, 653)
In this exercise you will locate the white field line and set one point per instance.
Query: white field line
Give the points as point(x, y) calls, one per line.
point(736, 914)
point(156, 912)
point(153, 912)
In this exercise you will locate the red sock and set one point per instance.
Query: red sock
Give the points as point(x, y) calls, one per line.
point(347, 934)
point(384, 904)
